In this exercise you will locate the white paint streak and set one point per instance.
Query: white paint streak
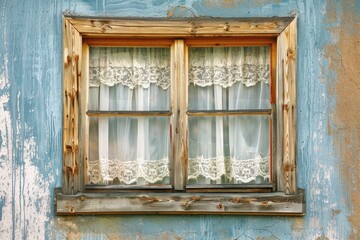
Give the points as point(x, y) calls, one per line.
point(35, 194)
point(24, 193)
point(6, 142)
point(6, 160)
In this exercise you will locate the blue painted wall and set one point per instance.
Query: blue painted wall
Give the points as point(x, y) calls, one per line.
point(31, 121)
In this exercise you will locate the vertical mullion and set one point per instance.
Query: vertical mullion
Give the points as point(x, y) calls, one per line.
point(180, 144)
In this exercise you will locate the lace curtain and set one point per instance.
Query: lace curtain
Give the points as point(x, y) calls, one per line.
point(131, 150)
point(230, 149)
point(135, 150)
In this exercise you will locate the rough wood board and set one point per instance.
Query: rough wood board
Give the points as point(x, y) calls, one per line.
point(179, 28)
point(173, 203)
point(287, 109)
point(84, 127)
point(181, 127)
point(71, 73)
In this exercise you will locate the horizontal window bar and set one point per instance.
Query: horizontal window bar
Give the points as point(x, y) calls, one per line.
point(127, 188)
point(128, 113)
point(262, 185)
point(229, 112)
point(230, 188)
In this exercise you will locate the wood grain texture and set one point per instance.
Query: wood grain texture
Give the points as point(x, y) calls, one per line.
point(179, 28)
point(180, 203)
point(84, 122)
point(181, 130)
point(286, 108)
point(71, 76)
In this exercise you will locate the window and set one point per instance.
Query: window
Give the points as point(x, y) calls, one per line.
point(179, 117)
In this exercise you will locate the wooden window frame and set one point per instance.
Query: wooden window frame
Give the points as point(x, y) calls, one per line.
point(78, 33)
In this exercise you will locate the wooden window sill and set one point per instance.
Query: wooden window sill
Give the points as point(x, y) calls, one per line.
point(274, 203)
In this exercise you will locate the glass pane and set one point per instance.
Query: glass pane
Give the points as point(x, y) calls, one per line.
point(129, 79)
point(131, 150)
point(229, 150)
point(229, 78)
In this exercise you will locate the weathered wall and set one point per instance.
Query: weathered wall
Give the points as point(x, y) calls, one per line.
point(328, 133)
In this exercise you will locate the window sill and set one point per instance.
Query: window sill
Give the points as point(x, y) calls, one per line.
point(275, 203)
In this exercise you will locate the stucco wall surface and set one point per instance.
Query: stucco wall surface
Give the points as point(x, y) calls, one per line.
point(328, 122)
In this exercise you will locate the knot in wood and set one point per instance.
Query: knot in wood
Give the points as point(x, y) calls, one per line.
point(220, 206)
point(291, 53)
point(72, 209)
point(288, 167)
point(105, 27)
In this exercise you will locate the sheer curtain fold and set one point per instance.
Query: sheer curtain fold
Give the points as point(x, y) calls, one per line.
point(131, 150)
point(232, 149)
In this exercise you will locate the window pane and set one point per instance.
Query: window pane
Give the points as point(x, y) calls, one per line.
point(229, 78)
point(230, 149)
point(132, 150)
point(129, 79)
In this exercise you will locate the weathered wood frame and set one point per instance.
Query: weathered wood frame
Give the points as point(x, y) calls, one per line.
point(285, 199)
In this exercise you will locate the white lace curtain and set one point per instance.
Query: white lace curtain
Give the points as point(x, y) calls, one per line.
point(233, 149)
point(131, 150)
point(135, 150)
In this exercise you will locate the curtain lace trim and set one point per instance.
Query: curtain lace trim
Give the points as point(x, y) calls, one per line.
point(226, 76)
point(243, 171)
point(130, 76)
point(202, 76)
point(128, 172)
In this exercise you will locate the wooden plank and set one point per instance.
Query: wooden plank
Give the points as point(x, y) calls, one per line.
point(129, 42)
point(181, 130)
point(229, 41)
point(229, 188)
point(180, 203)
point(249, 112)
point(179, 28)
point(287, 108)
point(174, 117)
point(273, 147)
point(273, 70)
point(128, 113)
point(84, 123)
point(127, 188)
point(72, 53)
